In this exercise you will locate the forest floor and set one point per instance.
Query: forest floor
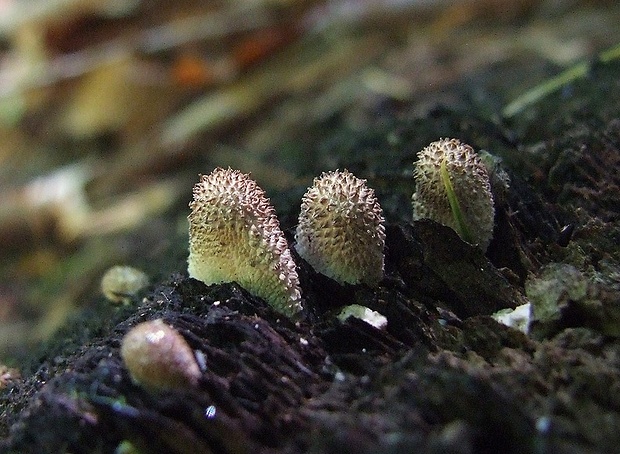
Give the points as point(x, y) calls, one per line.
point(443, 375)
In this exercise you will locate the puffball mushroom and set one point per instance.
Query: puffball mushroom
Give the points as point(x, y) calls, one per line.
point(234, 235)
point(452, 188)
point(340, 231)
point(120, 283)
point(158, 358)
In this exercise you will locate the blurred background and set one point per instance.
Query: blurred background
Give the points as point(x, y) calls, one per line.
point(110, 110)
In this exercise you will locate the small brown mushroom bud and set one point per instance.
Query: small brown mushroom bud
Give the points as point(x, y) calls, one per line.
point(158, 358)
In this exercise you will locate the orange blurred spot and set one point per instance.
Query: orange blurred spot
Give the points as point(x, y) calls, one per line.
point(260, 45)
point(192, 71)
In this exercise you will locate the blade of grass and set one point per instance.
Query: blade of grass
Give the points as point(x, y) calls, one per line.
point(455, 206)
point(556, 83)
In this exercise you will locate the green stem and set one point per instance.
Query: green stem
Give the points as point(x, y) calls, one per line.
point(457, 213)
point(555, 83)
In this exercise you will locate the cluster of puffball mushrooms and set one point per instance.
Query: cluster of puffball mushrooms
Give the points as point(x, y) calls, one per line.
point(235, 236)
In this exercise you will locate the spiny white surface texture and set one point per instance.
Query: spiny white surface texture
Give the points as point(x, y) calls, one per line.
point(236, 236)
point(340, 230)
point(470, 181)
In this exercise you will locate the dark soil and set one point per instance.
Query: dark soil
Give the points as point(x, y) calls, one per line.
point(442, 377)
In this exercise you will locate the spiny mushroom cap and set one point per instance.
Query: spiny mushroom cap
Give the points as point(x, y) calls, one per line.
point(158, 357)
point(340, 230)
point(234, 235)
point(470, 183)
